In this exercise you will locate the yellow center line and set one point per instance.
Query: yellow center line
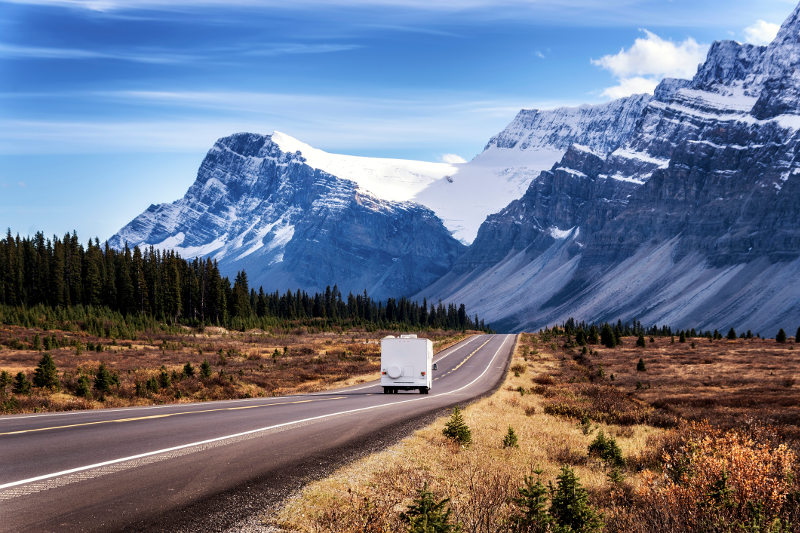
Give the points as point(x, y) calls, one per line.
point(465, 360)
point(165, 415)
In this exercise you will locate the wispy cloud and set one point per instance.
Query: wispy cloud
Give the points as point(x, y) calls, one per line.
point(649, 60)
point(574, 12)
point(343, 123)
point(160, 56)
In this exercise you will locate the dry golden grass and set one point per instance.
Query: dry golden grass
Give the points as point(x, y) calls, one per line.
point(677, 476)
point(724, 381)
point(244, 364)
point(480, 480)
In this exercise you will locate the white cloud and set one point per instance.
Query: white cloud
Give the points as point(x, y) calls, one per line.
point(642, 66)
point(761, 33)
point(453, 159)
point(629, 86)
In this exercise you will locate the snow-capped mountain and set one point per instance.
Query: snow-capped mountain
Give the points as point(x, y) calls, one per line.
point(692, 219)
point(258, 207)
point(533, 142)
point(296, 216)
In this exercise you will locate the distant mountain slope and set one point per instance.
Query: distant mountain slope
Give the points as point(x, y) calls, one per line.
point(259, 208)
point(694, 220)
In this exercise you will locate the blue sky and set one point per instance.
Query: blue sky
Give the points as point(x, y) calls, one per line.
point(107, 106)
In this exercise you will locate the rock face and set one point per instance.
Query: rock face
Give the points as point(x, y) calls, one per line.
point(690, 218)
point(533, 142)
point(258, 208)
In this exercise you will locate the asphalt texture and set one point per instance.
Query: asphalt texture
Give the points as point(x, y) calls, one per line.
point(207, 466)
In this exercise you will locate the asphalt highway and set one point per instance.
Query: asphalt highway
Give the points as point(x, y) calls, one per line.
point(114, 469)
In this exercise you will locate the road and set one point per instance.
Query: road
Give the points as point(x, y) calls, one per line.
point(146, 468)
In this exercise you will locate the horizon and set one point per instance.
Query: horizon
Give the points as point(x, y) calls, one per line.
point(110, 106)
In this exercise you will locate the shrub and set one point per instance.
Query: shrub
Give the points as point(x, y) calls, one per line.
point(46, 374)
point(510, 440)
point(607, 449)
point(456, 429)
point(518, 368)
point(426, 515)
point(569, 504)
point(781, 336)
point(21, 384)
point(718, 477)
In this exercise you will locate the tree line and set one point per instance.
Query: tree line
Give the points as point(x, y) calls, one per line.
point(62, 273)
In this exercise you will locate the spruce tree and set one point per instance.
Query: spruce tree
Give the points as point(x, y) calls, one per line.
point(797, 336)
point(607, 337)
point(46, 375)
point(781, 336)
point(640, 366)
point(532, 515)
point(732, 335)
point(102, 379)
point(5, 381)
point(510, 440)
point(205, 369)
point(426, 515)
point(21, 384)
point(682, 337)
point(456, 429)
point(640, 342)
point(83, 388)
point(569, 505)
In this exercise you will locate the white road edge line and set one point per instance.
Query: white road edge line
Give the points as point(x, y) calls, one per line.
point(250, 432)
point(453, 348)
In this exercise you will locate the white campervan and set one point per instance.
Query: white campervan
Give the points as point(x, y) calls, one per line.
point(406, 364)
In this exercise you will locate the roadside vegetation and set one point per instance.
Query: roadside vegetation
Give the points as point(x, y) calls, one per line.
point(703, 435)
point(56, 370)
point(138, 326)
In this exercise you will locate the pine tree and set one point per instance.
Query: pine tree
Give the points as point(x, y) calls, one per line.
point(607, 336)
point(5, 381)
point(83, 388)
point(21, 384)
point(510, 440)
point(682, 337)
point(569, 505)
point(456, 429)
point(188, 370)
point(205, 369)
point(532, 516)
point(426, 515)
point(46, 375)
point(781, 336)
point(732, 335)
point(797, 336)
point(640, 342)
point(102, 379)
